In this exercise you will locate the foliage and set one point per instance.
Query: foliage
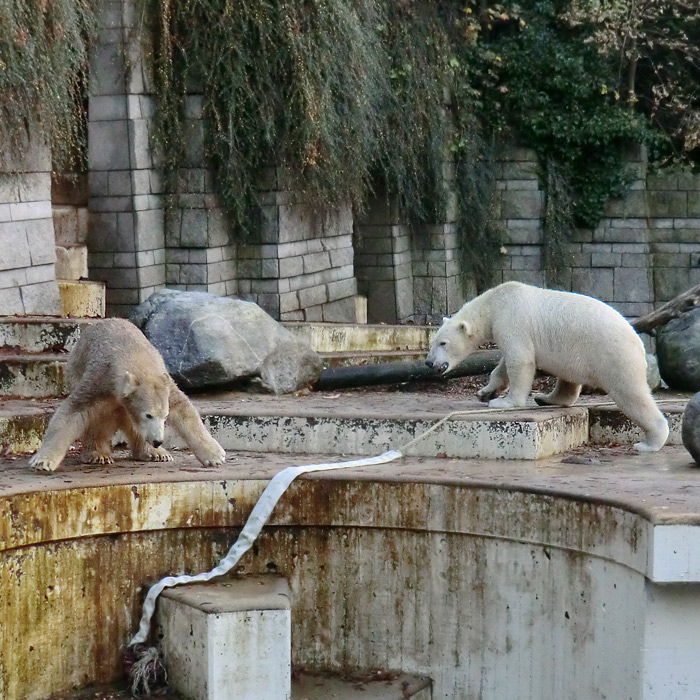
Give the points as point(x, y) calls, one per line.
point(656, 47)
point(347, 93)
point(43, 67)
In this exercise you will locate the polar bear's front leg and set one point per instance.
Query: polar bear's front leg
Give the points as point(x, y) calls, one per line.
point(498, 381)
point(521, 373)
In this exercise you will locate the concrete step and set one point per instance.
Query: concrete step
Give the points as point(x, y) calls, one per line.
point(369, 357)
point(377, 686)
point(33, 376)
point(350, 338)
point(354, 426)
point(39, 333)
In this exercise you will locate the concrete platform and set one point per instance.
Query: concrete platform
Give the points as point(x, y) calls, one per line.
point(371, 422)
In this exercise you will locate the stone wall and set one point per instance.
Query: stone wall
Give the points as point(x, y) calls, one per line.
point(299, 267)
point(644, 251)
point(27, 252)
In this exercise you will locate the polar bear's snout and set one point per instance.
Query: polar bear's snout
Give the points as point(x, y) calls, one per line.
point(439, 367)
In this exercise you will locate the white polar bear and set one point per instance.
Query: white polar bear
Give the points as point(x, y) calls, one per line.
point(578, 339)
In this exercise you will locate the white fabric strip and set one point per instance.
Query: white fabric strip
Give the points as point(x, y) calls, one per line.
point(256, 520)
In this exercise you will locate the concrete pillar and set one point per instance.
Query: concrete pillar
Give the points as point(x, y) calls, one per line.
point(228, 639)
point(126, 240)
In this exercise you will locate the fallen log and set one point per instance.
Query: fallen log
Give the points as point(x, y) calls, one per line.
point(670, 310)
point(480, 362)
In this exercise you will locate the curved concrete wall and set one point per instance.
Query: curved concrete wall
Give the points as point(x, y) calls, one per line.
point(493, 593)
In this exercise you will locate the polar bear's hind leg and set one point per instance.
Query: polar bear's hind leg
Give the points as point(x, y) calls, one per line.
point(564, 394)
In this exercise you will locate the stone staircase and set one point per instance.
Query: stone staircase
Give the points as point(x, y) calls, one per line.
point(33, 351)
point(33, 354)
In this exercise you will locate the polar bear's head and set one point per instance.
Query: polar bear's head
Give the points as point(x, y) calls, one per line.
point(147, 401)
point(454, 342)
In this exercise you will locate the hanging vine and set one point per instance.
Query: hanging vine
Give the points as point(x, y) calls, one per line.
point(44, 48)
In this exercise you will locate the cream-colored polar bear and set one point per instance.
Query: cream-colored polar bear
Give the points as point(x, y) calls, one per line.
point(576, 338)
point(119, 382)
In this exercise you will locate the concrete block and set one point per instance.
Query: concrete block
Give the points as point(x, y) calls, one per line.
point(108, 145)
point(667, 203)
point(41, 299)
point(71, 263)
point(84, 298)
point(40, 238)
point(597, 283)
point(11, 302)
point(227, 639)
point(519, 204)
point(14, 248)
point(633, 284)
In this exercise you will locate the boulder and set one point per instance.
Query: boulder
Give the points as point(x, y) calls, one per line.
point(690, 428)
point(678, 351)
point(208, 341)
point(653, 374)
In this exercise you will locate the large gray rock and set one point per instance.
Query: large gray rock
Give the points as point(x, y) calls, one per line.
point(207, 340)
point(690, 428)
point(678, 351)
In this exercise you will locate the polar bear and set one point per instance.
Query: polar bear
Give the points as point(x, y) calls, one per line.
point(119, 382)
point(578, 339)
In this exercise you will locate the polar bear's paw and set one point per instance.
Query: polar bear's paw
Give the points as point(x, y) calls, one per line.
point(501, 403)
point(645, 447)
point(485, 395)
point(44, 463)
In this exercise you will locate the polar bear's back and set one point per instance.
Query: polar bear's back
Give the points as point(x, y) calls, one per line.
point(109, 348)
point(573, 336)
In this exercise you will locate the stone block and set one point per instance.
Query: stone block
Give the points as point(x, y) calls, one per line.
point(694, 203)
point(40, 238)
point(381, 302)
point(521, 205)
point(670, 282)
point(41, 299)
point(341, 289)
point(14, 248)
point(606, 259)
point(633, 204)
point(315, 262)
point(108, 108)
point(340, 311)
point(9, 190)
point(633, 285)
point(291, 267)
point(84, 298)
point(108, 145)
point(139, 145)
point(312, 296)
point(107, 65)
point(662, 182)
point(667, 203)
point(235, 634)
point(71, 263)
point(26, 211)
point(598, 283)
point(11, 302)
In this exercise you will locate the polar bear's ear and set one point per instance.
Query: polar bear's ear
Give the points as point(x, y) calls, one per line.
point(129, 384)
point(466, 327)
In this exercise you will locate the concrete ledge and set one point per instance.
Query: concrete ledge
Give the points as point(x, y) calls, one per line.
point(33, 376)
